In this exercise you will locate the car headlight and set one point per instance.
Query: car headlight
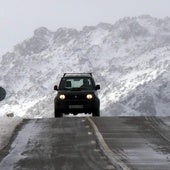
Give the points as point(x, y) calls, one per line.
point(62, 96)
point(89, 96)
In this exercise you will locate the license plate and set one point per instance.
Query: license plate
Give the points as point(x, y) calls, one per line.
point(75, 106)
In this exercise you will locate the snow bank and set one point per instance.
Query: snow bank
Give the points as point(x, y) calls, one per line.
point(7, 126)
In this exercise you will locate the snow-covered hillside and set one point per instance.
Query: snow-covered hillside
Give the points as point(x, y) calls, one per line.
point(130, 59)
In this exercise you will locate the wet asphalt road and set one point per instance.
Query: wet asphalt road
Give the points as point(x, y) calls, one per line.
point(55, 144)
point(70, 143)
point(143, 143)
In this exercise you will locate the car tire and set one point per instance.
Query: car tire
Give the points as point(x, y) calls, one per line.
point(58, 114)
point(96, 113)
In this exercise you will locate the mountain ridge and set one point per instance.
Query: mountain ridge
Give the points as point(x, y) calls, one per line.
point(129, 59)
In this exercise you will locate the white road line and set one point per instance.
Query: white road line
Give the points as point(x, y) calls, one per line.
point(97, 150)
point(90, 133)
point(83, 120)
point(113, 157)
point(93, 142)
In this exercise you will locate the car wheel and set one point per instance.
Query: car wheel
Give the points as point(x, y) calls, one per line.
point(58, 114)
point(96, 113)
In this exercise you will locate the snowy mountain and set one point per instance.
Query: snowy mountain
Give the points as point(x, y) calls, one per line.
point(129, 59)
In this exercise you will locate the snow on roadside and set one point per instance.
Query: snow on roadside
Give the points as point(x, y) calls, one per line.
point(7, 126)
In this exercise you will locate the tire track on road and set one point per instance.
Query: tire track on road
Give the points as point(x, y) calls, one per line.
point(155, 124)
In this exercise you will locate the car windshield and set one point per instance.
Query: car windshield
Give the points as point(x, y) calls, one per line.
point(73, 83)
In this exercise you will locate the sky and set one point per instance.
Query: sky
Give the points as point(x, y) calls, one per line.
point(19, 18)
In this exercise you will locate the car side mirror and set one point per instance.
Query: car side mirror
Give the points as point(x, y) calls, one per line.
point(55, 87)
point(97, 87)
point(2, 93)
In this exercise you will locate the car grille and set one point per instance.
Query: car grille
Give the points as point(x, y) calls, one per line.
point(76, 97)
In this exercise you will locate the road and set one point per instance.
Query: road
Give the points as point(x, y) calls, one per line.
point(141, 143)
point(106, 143)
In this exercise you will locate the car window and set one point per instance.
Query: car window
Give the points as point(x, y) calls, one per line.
point(76, 83)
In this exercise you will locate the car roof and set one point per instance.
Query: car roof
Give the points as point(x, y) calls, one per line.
point(77, 75)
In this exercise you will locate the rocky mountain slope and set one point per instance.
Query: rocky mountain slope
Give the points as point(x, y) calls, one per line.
point(130, 59)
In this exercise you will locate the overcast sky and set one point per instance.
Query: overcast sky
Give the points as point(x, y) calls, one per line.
point(19, 18)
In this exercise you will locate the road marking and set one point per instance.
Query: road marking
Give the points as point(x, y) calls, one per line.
point(113, 157)
point(103, 157)
point(89, 133)
point(93, 142)
point(96, 150)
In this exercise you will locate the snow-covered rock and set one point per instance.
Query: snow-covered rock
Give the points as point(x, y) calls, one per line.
point(130, 59)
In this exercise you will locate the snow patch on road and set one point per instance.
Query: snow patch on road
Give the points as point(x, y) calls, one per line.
point(7, 126)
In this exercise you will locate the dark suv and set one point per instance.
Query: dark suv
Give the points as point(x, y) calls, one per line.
point(77, 93)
